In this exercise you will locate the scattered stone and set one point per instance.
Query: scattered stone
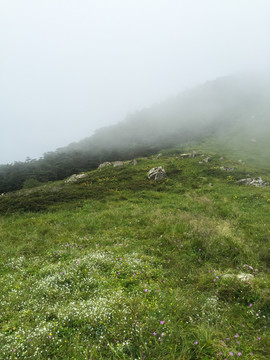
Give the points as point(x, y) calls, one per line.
point(157, 173)
point(258, 182)
point(76, 177)
point(106, 163)
point(242, 277)
point(118, 163)
point(223, 168)
point(159, 155)
point(245, 277)
point(3, 194)
point(134, 162)
point(208, 159)
point(195, 154)
point(210, 184)
point(185, 155)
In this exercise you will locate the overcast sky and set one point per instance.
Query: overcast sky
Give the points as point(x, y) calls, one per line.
point(68, 67)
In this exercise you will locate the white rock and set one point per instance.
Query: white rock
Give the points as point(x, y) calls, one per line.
point(157, 173)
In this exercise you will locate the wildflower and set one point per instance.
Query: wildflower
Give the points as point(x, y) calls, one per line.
point(196, 342)
point(154, 333)
point(236, 335)
point(145, 290)
point(259, 338)
point(200, 249)
point(239, 354)
point(231, 353)
point(250, 305)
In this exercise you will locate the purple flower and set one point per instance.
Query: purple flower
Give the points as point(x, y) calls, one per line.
point(231, 353)
point(200, 249)
point(236, 335)
point(162, 322)
point(250, 305)
point(145, 290)
point(154, 333)
point(259, 338)
point(196, 342)
point(239, 354)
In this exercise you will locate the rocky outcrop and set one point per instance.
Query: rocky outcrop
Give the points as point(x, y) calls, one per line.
point(76, 177)
point(253, 182)
point(118, 163)
point(105, 164)
point(157, 173)
point(190, 155)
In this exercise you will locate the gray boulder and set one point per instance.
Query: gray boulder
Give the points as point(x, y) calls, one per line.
point(157, 173)
point(208, 159)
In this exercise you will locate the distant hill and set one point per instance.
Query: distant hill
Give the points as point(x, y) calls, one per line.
point(233, 110)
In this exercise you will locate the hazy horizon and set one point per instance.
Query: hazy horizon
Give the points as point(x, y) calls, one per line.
point(71, 67)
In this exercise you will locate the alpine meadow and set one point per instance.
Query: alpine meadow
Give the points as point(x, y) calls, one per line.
point(148, 240)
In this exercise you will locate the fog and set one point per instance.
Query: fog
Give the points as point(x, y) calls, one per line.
point(69, 67)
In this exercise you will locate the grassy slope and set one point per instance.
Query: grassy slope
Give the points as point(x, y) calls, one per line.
point(118, 267)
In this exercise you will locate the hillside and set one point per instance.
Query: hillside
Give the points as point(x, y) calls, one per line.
point(232, 110)
point(117, 266)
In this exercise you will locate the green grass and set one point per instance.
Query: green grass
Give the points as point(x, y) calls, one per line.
point(116, 266)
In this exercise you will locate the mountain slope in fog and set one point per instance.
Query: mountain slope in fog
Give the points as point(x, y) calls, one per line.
point(231, 109)
point(238, 103)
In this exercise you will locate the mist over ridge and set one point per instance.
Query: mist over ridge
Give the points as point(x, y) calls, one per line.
point(241, 101)
point(232, 109)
